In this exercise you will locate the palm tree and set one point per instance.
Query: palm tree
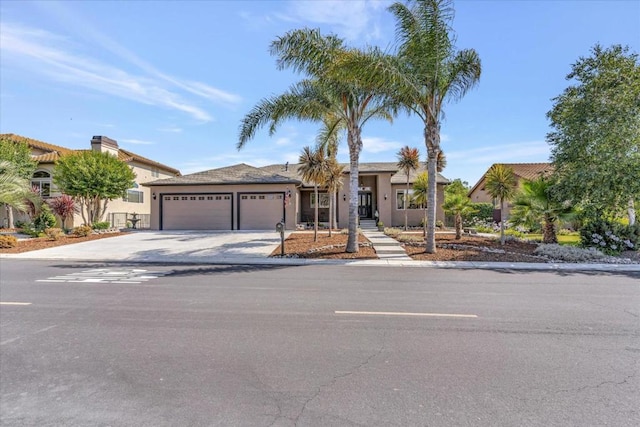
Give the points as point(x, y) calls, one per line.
point(408, 161)
point(420, 196)
point(430, 72)
point(313, 167)
point(333, 181)
point(500, 183)
point(14, 189)
point(458, 205)
point(535, 204)
point(331, 91)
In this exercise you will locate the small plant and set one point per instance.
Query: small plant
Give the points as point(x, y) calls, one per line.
point(409, 238)
point(609, 237)
point(53, 233)
point(569, 253)
point(45, 219)
point(82, 231)
point(102, 225)
point(19, 224)
point(64, 206)
point(440, 224)
point(392, 232)
point(8, 242)
point(514, 233)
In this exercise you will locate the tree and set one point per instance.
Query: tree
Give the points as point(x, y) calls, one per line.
point(331, 91)
point(13, 188)
point(17, 153)
point(93, 179)
point(64, 206)
point(313, 167)
point(408, 161)
point(458, 205)
point(421, 195)
point(535, 204)
point(429, 73)
point(333, 181)
point(501, 184)
point(595, 142)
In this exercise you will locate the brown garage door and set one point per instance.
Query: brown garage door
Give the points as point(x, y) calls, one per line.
point(260, 211)
point(196, 212)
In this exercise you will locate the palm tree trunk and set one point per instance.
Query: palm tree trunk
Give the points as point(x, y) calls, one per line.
point(315, 222)
point(331, 207)
point(549, 234)
point(458, 226)
point(404, 204)
point(10, 219)
point(432, 141)
point(502, 222)
point(335, 209)
point(353, 139)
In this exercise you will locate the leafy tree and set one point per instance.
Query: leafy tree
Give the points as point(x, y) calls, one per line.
point(18, 154)
point(595, 142)
point(313, 167)
point(430, 72)
point(331, 92)
point(408, 161)
point(501, 184)
point(457, 186)
point(93, 179)
point(535, 205)
point(458, 205)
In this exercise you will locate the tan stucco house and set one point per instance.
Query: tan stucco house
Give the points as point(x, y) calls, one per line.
point(243, 197)
point(136, 200)
point(522, 171)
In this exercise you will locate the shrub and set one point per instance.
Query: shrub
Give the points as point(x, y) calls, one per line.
point(30, 230)
point(392, 232)
point(82, 231)
point(514, 233)
point(53, 233)
point(484, 211)
point(569, 253)
point(45, 219)
point(8, 242)
point(409, 238)
point(609, 237)
point(567, 232)
point(64, 206)
point(440, 224)
point(102, 225)
point(19, 224)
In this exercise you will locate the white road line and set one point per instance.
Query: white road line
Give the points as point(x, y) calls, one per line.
point(10, 340)
point(393, 313)
point(14, 303)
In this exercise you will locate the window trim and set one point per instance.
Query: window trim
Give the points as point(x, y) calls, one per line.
point(322, 197)
point(412, 205)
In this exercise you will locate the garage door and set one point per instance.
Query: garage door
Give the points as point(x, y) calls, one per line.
point(260, 211)
point(196, 212)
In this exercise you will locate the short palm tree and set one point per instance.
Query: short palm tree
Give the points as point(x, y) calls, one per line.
point(14, 190)
point(328, 92)
point(430, 72)
point(420, 196)
point(501, 184)
point(408, 161)
point(458, 205)
point(313, 168)
point(333, 181)
point(535, 204)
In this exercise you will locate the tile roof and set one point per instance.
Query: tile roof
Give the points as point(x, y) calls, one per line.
point(55, 151)
point(528, 171)
point(236, 174)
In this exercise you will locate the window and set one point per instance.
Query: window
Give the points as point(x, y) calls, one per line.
point(41, 182)
point(400, 197)
point(324, 200)
point(155, 173)
point(134, 196)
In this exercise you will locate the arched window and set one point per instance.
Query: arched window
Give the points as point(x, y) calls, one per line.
point(41, 181)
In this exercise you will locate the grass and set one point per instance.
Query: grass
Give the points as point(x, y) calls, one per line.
point(572, 240)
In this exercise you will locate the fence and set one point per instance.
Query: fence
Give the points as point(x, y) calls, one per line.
point(124, 220)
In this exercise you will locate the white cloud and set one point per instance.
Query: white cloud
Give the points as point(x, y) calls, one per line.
point(172, 129)
point(137, 141)
point(378, 145)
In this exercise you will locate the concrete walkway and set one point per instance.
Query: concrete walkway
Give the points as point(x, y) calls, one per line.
point(386, 247)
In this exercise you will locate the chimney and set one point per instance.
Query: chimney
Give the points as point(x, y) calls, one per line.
point(286, 166)
point(104, 144)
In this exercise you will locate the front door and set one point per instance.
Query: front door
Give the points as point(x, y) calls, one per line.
point(365, 205)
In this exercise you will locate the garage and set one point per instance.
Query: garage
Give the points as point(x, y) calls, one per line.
point(260, 211)
point(196, 211)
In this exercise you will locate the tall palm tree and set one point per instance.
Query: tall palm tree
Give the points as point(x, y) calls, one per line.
point(458, 205)
point(330, 90)
point(501, 184)
point(535, 204)
point(313, 167)
point(408, 161)
point(430, 72)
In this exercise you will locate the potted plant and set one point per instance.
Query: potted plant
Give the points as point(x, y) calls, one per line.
point(380, 226)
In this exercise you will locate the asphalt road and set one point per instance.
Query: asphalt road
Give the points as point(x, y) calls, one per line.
point(280, 346)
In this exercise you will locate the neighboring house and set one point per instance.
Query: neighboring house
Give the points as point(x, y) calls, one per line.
point(243, 197)
point(522, 171)
point(136, 200)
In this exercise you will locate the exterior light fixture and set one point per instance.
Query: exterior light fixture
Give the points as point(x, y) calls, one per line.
point(154, 196)
point(344, 197)
point(385, 196)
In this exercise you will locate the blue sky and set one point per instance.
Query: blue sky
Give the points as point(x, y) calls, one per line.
point(172, 80)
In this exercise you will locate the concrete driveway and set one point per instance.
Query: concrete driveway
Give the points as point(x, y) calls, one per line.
point(168, 246)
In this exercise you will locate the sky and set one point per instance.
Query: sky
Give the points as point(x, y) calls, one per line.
point(171, 81)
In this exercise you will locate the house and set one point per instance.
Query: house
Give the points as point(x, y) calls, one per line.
point(244, 197)
point(522, 171)
point(136, 200)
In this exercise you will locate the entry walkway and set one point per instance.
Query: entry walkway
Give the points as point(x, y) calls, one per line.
point(386, 248)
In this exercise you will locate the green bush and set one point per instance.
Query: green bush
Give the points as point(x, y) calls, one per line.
point(19, 224)
point(45, 219)
point(102, 225)
point(53, 233)
point(82, 231)
point(514, 233)
point(8, 242)
point(484, 211)
point(610, 237)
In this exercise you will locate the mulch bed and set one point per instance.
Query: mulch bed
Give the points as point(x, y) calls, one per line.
point(44, 243)
point(301, 245)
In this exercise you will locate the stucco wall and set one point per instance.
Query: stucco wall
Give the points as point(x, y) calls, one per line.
point(414, 216)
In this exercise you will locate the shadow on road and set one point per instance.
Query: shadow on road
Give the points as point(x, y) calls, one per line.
point(573, 273)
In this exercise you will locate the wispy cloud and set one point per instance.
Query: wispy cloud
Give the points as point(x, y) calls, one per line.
point(378, 145)
point(137, 141)
point(55, 56)
point(171, 129)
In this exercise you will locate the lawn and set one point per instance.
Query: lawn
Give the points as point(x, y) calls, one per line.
point(572, 240)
